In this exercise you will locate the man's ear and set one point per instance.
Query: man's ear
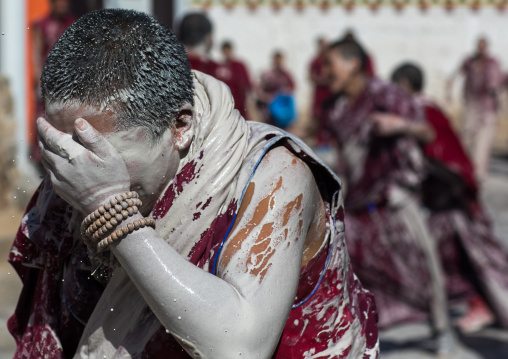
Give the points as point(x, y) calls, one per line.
point(184, 127)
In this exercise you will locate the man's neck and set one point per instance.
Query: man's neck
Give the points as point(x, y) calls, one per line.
point(197, 51)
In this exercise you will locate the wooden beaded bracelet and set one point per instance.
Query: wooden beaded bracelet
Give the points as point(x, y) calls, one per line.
point(122, 232)
point(110, 207)
point(111, 219)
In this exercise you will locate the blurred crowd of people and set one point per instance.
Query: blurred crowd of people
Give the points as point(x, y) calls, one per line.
point(416, 230)
point(417, 233)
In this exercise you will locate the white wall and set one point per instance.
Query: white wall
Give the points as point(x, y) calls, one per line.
point(438, 40)
point(139, 5)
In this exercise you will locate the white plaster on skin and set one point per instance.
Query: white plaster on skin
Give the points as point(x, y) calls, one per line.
point(160, 160)
point(251, 313)
point(68, 145)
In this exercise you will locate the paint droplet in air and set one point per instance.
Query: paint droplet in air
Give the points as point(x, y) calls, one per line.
point(179, 318)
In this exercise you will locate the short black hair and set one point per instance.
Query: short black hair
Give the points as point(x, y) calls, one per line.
point(351, 49)
point(411, 73)
point(123, 61)
point(193, 29)
point(227, 45)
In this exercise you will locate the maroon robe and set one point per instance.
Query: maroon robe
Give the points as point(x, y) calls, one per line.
point(332, 314)
point(385, 251)
point(482, 80)
point(273, 82)
point(321, 90)
point(203, 64)
point(474, 261)
point(234, 74)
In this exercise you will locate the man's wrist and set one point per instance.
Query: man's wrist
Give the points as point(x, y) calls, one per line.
point(105, 196)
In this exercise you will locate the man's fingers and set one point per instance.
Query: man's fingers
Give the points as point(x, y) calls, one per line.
point(50, 169)
point(56, 141)
point(51, 161)
point(91, 138)
point(50, 136)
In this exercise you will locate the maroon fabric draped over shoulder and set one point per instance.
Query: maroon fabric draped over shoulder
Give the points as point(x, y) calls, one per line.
point(59, 293)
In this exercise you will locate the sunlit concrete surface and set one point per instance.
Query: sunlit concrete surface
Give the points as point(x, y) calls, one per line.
point(412, 341)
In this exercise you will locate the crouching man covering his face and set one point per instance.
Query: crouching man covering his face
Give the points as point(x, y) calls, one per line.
point(234, 247)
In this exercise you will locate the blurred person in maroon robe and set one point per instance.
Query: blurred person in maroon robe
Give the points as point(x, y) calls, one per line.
point(233, 73)
point(370, 69)
point(315, 128)
point(482, 81)
point(195, 33)
point(274, 82)
point(474, 260)
point(381, 165)
point(46, 32)
point(319, 80)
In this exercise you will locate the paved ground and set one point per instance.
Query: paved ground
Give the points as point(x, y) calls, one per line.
point(405, 342)
point(411, 341)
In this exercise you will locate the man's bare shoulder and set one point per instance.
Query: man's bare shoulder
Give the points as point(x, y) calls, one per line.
point(280, 201)
point(280, 161)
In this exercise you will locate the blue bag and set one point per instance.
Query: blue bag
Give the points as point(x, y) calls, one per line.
point(283, 110)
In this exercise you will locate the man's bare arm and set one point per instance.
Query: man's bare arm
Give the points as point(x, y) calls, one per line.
point(242, 311)
point(244, 308)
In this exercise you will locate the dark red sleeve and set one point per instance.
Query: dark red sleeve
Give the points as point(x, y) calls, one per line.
point(290, 81)
point(447, 147)
point(245, 78)
point(370, 69)
point(206, 65)
point(392, 99)
point(314, 67)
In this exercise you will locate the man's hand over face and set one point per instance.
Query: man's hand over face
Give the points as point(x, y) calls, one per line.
point(85, 173)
